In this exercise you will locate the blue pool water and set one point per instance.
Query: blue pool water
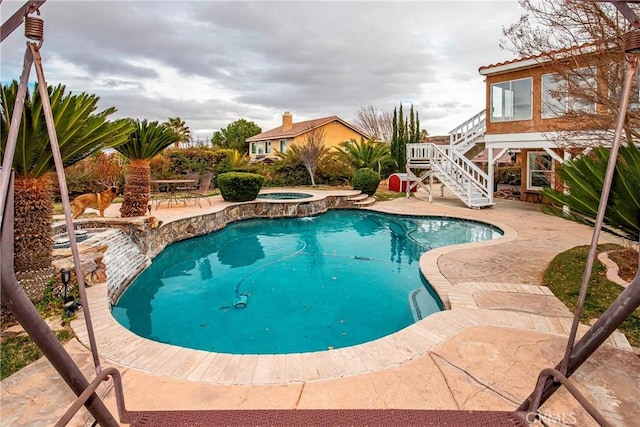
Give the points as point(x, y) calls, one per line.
point(273, 286)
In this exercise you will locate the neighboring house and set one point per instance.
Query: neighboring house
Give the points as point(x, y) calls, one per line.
point(264, 146)
point(525, 111)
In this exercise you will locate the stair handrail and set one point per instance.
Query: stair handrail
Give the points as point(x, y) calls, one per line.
point(444, 160)
point(463, 135)
point(461, 164)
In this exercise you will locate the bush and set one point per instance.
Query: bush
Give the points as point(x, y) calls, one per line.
point(240, 186)
point(92, 175)
point(185, 160)
point(332, 171)
point(366, 180)
point(287, 173)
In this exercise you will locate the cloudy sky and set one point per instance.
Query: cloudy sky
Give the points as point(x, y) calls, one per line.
point(214, 62)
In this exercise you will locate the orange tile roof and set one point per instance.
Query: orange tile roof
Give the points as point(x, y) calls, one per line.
point(300, 128)
point(536, 59)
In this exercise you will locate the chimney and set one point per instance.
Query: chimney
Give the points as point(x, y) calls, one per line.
point(287, 121)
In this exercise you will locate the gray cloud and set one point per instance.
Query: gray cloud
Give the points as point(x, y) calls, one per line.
point(254, 60)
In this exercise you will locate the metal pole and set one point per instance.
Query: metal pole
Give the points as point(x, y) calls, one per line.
point(626, 302)
point(632, 66)
point(610, 320)
point(16, 300)
point(64, 195)
point(10, 149)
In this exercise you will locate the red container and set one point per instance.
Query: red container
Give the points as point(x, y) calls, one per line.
point(399, 181)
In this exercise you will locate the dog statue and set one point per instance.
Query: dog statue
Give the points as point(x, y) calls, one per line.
point(98, 201)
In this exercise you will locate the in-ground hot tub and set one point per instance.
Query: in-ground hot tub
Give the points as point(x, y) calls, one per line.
point(284, 196)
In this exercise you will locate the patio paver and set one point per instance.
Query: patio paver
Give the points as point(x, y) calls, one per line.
point(479, 355)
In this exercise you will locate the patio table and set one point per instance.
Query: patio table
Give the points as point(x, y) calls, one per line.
point(172, 193)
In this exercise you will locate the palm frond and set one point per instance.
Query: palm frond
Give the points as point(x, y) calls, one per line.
point(80, 131)
point(147, 140)
point(585, 178)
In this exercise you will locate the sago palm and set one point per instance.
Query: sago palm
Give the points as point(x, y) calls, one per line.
point(80, 133)
point(584, 177)
point(366, 154)
point(146, 141)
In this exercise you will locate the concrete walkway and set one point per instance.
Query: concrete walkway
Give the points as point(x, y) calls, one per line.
point(482, 354)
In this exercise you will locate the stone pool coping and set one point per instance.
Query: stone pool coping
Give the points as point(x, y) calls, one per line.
point(119, 345)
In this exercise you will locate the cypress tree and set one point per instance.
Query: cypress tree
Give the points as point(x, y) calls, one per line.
point(394, 137)
point(412, 127)
point(402, 130)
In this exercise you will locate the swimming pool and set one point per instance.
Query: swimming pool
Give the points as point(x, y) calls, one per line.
point(292, 285)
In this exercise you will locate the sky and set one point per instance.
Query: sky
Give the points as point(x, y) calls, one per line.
point(214, 62)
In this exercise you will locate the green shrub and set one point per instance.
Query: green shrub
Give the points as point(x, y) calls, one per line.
point(92, 175)
point(239, 186)
point(190, 159)
point(332, 171)
point(366, 180)
point(288, 173)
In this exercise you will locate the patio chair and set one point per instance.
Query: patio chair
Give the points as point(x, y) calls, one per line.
point(203, 188)
point(191, 186)
point(155, 193)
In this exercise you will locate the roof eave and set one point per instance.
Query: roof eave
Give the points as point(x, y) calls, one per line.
point(503, 68)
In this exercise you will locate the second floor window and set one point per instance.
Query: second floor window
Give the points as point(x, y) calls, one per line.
point(615, 91)
point(574, 93)
point(511, 100)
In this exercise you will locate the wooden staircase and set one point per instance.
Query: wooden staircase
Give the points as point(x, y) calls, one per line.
point(451, 164)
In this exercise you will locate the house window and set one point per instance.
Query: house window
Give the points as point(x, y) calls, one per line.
point(283, 146)
point(540, 170)
point(267, 148)
point(616, 90)
point(260, 147)
point(511, 100)
point(253, 148)
point(560, 95)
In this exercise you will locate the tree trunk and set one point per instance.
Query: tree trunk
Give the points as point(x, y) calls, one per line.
point(136, 190)
point(33, 241)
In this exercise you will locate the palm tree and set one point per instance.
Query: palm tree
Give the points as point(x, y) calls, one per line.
point(146, 141)
point(367, 154)
point(179, 127)
point(585, 176)
point(235, 158)
point(80, 132)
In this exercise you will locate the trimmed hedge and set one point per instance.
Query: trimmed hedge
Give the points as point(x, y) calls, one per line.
point(239, 186)
point(366, 180)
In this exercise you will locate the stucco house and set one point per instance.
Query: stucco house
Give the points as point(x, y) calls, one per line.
point(528, 109)
point(334, 130)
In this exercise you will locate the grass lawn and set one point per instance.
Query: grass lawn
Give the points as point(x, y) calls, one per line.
point(19, 351)
point(383, 196)
point(564, 276)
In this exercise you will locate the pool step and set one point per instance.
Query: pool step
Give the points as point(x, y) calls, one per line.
point(357, 198)
point(368, 201)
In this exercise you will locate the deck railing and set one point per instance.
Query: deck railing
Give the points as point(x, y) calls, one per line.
point(463, 137)
point(464, 175)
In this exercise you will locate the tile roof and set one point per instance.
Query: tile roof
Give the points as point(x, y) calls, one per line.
point(528, 61)
point(300, 128)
